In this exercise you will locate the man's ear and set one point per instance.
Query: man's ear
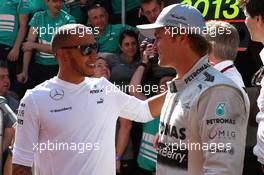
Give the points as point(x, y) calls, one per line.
point(60, 54)
point(107, 16)
point(260, 21)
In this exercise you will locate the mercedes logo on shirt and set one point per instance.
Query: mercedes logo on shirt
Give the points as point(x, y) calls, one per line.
point(56, 94)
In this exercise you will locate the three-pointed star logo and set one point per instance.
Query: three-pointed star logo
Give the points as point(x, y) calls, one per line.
point(56, 94)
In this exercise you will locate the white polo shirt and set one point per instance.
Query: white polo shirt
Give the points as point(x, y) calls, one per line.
point(261, 54)
point(228, 68)
point(69, 128)
point(259, 148)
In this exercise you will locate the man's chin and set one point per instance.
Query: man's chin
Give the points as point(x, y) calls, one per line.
point(161, 64)
point(164, 65)
point(88, 74)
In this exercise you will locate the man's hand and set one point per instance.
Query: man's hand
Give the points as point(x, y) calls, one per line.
point(22, 77)
point(156, 141)
point(13, 54)
point(28, 46)
point(147, 50)
point(21, 170)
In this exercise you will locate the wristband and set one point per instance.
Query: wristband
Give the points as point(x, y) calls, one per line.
point(118, 157)
point(143, 64)
point(10, 150)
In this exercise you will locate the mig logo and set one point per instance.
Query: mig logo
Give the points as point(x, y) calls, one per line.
point(220, 109)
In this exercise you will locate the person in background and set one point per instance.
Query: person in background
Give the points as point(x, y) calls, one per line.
point(147, 157)
point(76, 9)
point(106, 35)
point(40, 5)
point(124, 150)
point(37, 47)
point(124, 64)
point(14, 17)
point(151, 10)
point(224, 49)
point(253, 10)
point(122, 70)
point(8, 125)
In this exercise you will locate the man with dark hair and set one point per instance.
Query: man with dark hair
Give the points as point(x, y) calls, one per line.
point(63, 136)
point(12, 101)
point(254, 12)
point(151, 9)
point(105, 34)
point(13, 29)
point(204, 118)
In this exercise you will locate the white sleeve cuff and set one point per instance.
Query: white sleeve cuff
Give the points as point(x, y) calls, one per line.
point(22, 157)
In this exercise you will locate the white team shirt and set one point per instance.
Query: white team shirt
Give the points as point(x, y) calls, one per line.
point(230, 72)
point(259, 148)
point(76, 123)
point(200, 96)
point(262, 55)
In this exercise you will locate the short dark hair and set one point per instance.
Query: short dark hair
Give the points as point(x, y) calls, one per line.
point(101, 58)
point(3, 64)
point(105, 60)
point(97, 6)
point(253, 7)
point(148, 1)
point(199, 44)
point(132, 34)
point(125, 33)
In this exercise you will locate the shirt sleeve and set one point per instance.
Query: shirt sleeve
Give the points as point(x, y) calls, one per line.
point(69, 19)
point(128, 27)
point(23, 7)
point(34, 22)
point(222, 115)
point(260, 103)
point(72, 20)
point(131, 108)
point(259, 148)
point(27, 132)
